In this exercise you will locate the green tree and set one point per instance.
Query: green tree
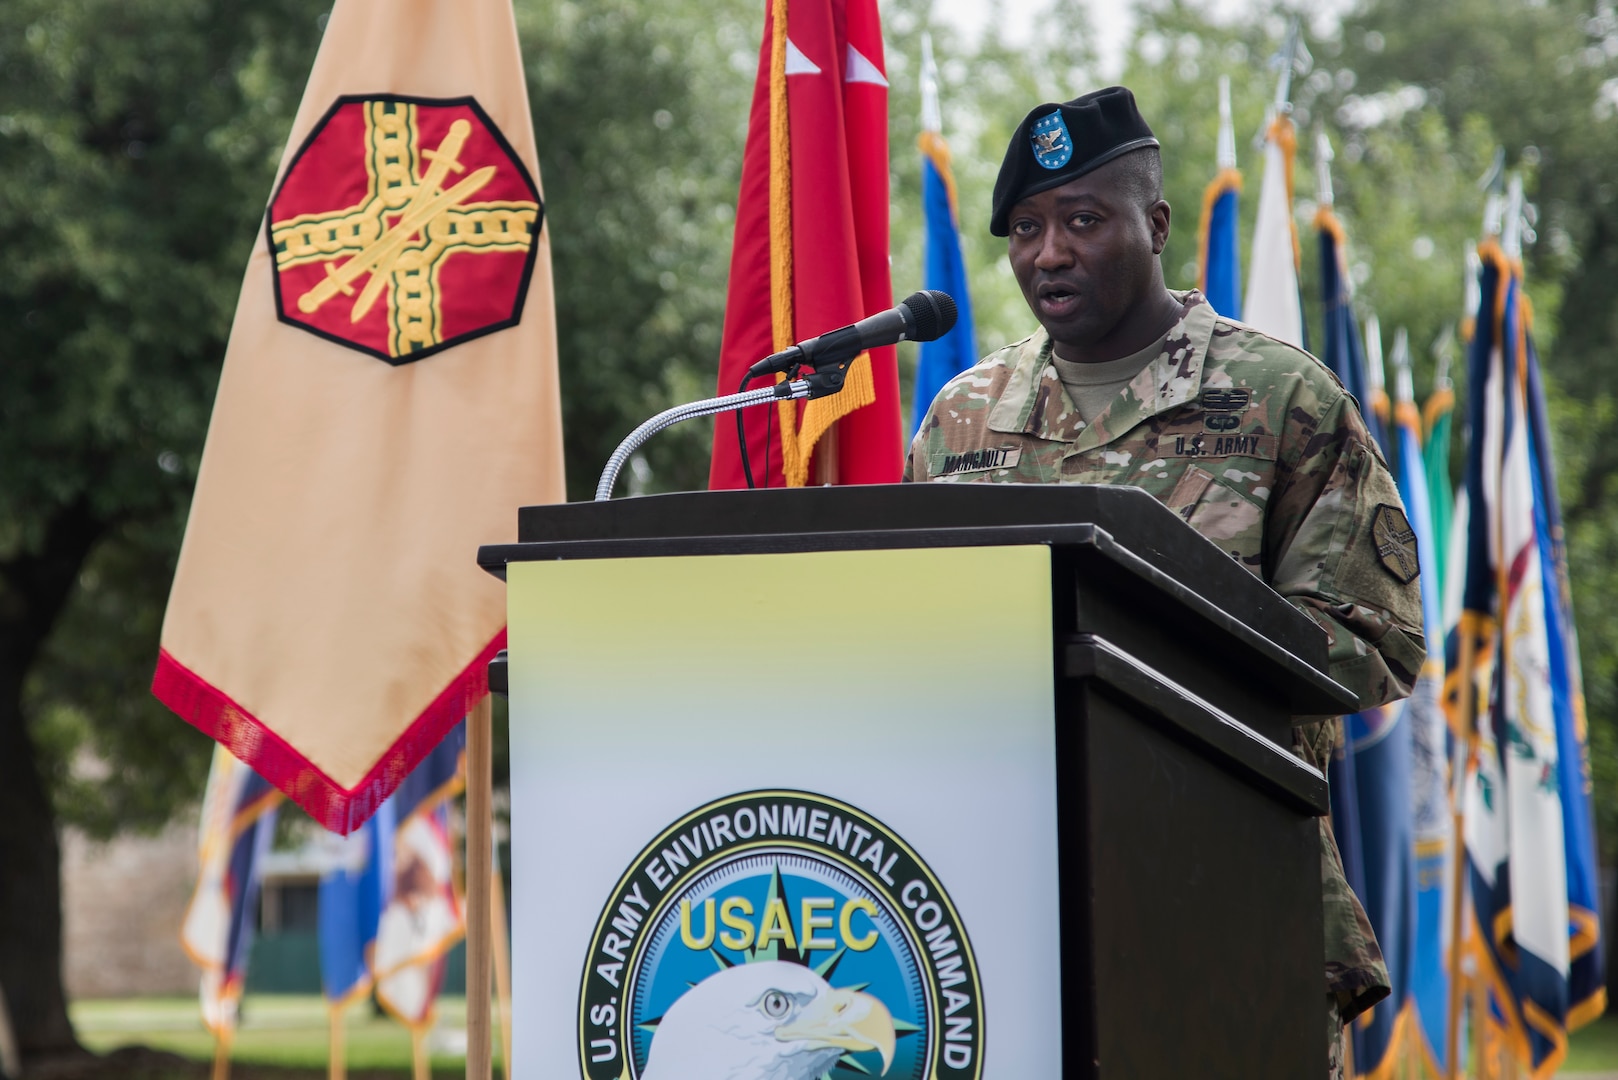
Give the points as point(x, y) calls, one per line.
point(135, 143)
point(641, 113)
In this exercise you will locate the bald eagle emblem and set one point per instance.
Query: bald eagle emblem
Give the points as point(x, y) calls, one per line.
point(780, 935)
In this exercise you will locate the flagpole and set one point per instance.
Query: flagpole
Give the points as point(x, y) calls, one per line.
point(502, 967)
point(221, 1055)
point(337, 1063)
point(1463, 765)
point(420, 1066)
point(479, 871)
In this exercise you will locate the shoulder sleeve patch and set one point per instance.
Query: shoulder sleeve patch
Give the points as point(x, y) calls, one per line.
point(1395, 542)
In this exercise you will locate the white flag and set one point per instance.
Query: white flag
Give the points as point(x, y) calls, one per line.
point(1272, 303)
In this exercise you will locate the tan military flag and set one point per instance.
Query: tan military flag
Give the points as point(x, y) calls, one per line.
point(388, 400)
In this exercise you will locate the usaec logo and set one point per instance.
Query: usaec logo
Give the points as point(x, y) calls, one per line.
point(780, 935)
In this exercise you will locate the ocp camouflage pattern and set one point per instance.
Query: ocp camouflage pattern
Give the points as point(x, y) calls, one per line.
point(1259, 448)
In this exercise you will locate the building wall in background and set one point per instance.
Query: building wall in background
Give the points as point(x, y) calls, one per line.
point(122, 903)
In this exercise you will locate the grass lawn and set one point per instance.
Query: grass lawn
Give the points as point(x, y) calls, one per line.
point(277, 1029)
point(1594, 1048)
point(290, 1031)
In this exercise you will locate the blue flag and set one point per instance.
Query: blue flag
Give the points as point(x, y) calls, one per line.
point(1344, 350)
point(1221, 262)
point(352, 895)
point(1371, 778)
point(256, 812)
point(940, 361)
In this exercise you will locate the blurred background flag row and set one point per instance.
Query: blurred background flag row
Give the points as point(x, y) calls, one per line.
point(390, 908)
point(1496, 964)
point(1371, 776)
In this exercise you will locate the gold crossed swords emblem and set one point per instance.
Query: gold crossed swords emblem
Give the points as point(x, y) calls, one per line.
point(399, 236)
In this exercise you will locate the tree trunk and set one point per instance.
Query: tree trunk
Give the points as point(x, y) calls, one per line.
point(33, 590)
point(30, 890)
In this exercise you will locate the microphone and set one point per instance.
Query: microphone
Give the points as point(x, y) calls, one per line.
point(923, 316)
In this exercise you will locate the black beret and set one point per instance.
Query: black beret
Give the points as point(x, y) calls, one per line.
point(1058, 143)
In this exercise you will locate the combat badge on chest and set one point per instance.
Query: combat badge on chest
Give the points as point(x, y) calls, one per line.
point(1222, 411)
point(1223, 408)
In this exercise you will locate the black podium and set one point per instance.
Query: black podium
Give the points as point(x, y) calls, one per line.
point(1191, 928)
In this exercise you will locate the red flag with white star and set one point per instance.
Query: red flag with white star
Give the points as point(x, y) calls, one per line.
point(811, 247)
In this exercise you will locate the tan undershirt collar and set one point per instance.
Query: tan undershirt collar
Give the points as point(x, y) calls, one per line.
point(1093, 386)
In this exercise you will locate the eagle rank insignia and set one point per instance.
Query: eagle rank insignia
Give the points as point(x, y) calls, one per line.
point(780, 935)
point(403, 226)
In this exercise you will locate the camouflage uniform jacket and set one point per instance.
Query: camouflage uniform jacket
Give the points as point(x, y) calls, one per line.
point(1256, 445)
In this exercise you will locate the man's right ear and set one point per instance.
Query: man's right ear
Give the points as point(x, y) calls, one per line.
point(1159, 215)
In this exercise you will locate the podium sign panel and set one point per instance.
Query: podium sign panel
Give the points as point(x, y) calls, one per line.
point(785, 815)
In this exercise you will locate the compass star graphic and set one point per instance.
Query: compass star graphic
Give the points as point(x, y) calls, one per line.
point(403, 227)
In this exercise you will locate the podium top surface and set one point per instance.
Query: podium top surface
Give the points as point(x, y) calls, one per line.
point(1124, 527)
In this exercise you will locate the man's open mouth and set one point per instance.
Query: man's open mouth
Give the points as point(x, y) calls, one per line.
point(1057, 298)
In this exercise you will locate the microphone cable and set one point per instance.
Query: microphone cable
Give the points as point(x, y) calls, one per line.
point(741, 440)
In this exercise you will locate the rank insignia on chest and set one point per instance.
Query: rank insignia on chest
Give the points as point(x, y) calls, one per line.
point(404, 226)
point(977, 461)
point(1223, 407)
point(1395, 543)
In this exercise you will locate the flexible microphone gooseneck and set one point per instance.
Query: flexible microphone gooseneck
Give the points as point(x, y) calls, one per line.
point(923, 316)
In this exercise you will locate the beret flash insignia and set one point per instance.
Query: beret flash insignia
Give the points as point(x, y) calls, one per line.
point(1053, 148)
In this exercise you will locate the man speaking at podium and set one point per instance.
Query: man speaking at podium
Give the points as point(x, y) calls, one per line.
point(1251, 441)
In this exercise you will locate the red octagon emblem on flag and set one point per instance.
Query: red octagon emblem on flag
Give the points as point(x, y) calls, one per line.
point(404, 226)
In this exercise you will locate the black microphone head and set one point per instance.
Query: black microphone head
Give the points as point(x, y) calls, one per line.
point(932, 314)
